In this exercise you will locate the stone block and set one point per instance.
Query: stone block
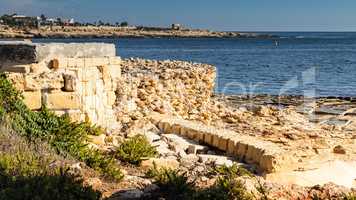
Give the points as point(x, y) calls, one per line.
point(115, 60)
point(17, 80)
point(192, 134)
point(232, 145)
point(75, 62)
point(33, 99)
point(70, 82)
point(88, 74)
point(16, 69)
point(17, 53)
point(216, 141)
point(96, 61)
point(200, 136)
point(115, 71)
point(111, 98)
point(241, 150)
point(251, 154)
point(49, 81)
point(208, 138)
point(54, 64)
point(49, 51)
point(62, 100)
point(184, 131)
point(160, 163)
point(176, 129)
point(223, 143)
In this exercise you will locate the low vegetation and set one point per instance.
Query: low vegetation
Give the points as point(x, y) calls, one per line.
point(233, 171)
point(135, 150)
point(350, 197)
point(33, 171)
point(175, 184)
point(66, 137)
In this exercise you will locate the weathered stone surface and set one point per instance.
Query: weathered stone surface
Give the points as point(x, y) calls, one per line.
point(33, 99)
point(17, 79)
point(74, 50)
point(62, 100)
point(130, 194)
point(18, 53)
point(70, 82)
point(44, 81)
point(160, 163)
point(339, 149)
point(98, 140)
point(16, 68)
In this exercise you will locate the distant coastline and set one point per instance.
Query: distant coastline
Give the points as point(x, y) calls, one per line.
point(118, 32)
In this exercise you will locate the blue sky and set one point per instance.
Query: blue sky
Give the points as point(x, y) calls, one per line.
point(239, 15)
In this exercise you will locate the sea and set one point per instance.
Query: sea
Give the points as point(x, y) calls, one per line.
point(315, 64)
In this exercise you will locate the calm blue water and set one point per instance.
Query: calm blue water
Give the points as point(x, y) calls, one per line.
point(321, 64)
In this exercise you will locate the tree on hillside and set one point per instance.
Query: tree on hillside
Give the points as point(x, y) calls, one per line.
point(124, 23)
point(59, 21)
point(100, 23)
point(43, 17)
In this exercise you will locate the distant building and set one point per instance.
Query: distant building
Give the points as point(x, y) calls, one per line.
point(68, 22)
point(176, 26)
point(50, 21)
point(25, 21)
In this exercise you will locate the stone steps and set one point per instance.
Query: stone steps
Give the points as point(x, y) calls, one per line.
point(267, 156)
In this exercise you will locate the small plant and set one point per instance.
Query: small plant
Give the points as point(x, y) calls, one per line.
point(233, 171)
point(135, 150)
point(262, 190)
point(173, 183)
point(225, 188)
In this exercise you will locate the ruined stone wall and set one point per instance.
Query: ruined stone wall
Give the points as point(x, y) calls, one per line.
point(174, 88)
point(76, 79)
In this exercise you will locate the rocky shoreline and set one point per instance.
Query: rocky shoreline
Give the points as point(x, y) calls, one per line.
point(291, 147)
point(57, 32)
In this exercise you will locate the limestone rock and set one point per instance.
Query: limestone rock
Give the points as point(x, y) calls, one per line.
point(98, 140)
point(160, 163)
point(339, 150)
point(33, 100)
point(130, 194)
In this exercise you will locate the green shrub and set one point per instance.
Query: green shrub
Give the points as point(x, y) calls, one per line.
point(227, 185)
point(64, 136)
point(173, 183)
point(227, 188)
point(135, 150)
point(176, 185)
point(233, 171)
point(27, 172)
point(349, 197)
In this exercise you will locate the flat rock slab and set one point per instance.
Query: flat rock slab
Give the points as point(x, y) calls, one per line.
point(21, 53)
point(339, 172)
